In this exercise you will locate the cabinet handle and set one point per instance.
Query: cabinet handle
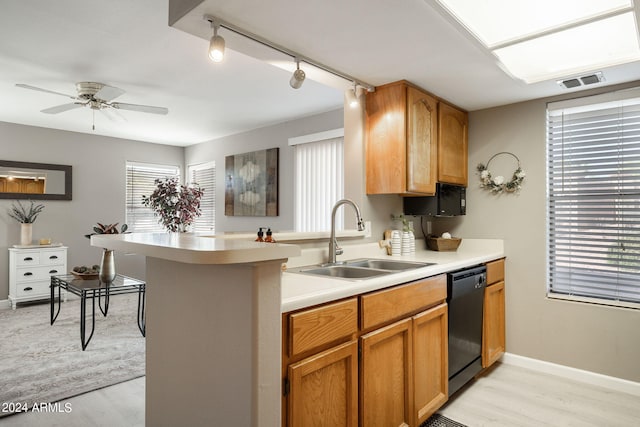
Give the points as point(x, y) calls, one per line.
point(28, 258)
point(28, 273)
point(53, 257)
point(53, 271)
point(28, 288)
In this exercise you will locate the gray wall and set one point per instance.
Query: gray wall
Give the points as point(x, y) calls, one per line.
point(98, 189)
point(585, 336)
point(260, 139)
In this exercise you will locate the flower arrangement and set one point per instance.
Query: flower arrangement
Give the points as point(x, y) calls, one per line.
point(108, 229)
point(406, 224)
point(177, 205)
point(497, 184)
point(24, 216)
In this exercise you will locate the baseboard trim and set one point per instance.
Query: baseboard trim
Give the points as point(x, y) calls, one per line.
point(5, 304)
point(568, 372)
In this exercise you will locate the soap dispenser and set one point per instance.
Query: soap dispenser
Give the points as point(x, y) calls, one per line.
point(260, 234)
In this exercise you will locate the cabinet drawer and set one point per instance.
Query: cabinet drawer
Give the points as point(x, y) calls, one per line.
point(31, 274)
point(31, 258)
point(311, 329)
point(387, 305)
point(35, 288)
point(53, 257)
point(495, 271)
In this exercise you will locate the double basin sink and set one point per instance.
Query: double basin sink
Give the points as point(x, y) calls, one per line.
point(360, 269)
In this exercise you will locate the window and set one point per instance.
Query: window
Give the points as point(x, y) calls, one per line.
point(141, 181)
point(318, 179)
point(593, 200)
point(205, 176)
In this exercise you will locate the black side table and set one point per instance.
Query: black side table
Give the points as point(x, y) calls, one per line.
point(94, 288)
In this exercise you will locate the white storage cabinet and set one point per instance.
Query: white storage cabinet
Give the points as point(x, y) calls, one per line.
point(30, 272)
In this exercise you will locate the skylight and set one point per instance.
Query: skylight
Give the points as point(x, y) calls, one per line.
point(546, 39)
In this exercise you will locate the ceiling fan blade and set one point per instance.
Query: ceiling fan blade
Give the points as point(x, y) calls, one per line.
point(141, 108)
point(43, 90)
point(107, 93)
point(62, 108)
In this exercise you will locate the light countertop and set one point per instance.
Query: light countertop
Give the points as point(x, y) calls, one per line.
point(195, 249)
point(302, 290)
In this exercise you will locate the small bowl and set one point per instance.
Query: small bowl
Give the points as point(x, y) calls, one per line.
point(45, 241)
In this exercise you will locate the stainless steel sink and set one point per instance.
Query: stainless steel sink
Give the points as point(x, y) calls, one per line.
point(345, 272)
point(387, 264)
point(360, 269)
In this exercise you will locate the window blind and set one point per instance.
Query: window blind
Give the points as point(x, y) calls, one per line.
point(205, 176)
point(141, 181)
point(593, 200)
point(319, 183)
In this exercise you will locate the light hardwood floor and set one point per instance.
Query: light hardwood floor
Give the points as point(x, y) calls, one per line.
point(506, 396)
point(513, 396)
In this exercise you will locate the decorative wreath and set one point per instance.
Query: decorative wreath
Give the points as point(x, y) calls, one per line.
point(497, 184)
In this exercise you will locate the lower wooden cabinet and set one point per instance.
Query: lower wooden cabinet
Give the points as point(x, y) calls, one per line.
point(493, 334)
point(430, 362)
point(493, 324)
point(386, 376)
point(389, 369)
point(324, 389)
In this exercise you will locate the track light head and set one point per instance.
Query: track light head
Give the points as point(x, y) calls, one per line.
point(353, 96)
point(216, 45)
point(298, 77)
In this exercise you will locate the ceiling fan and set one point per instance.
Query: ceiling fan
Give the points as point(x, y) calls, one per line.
point(97, 96)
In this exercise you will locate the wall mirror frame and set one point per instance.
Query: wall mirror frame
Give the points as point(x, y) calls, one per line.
point(58, 188)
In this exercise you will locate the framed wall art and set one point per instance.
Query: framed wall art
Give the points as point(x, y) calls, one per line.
point(251, 183)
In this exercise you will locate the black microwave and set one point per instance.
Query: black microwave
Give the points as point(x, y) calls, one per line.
point(450, 200)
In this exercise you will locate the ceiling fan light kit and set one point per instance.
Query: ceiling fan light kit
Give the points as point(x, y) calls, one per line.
point(298, 76)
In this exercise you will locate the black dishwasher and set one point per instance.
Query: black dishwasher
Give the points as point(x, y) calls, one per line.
point(465, 297)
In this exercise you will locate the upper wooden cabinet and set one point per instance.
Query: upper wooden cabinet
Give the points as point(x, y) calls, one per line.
point(401, 140)
point(453, 129)
point(411, 144)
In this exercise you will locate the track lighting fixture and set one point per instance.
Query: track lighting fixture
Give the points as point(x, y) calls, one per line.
point(353, 95)
point(298, 76)
point(216, 45)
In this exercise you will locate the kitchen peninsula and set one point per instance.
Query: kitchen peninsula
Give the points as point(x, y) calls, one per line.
point(213, 327)
point(214, 317)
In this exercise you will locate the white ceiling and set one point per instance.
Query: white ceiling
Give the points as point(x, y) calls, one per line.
point(128, 44)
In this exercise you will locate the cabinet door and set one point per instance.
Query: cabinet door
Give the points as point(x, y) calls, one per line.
point(385, 376)
point(324, 389)
point(421, 142)
point(430, 362)
point(386, 150)
point(493, 336)
point(452, 145)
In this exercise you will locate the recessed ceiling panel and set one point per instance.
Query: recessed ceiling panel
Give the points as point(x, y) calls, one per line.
point(592, 46)
point(495, 22)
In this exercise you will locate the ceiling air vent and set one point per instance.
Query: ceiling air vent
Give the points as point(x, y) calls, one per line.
point(582, 81)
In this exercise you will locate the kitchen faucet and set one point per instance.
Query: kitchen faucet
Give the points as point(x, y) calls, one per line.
point(334, 249)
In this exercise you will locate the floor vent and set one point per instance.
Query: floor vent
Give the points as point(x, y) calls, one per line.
point(582, 81)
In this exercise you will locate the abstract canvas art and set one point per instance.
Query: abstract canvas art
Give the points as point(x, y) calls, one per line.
point(251, 183)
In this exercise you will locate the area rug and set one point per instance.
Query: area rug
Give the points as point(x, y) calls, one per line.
point(43, 363)
point(437, 420)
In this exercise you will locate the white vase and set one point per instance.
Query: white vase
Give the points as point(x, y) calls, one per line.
point(26, 233)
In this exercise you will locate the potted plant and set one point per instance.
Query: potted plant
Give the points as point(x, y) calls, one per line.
point(177, 205)
point(26, 218)
point(107, 270)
